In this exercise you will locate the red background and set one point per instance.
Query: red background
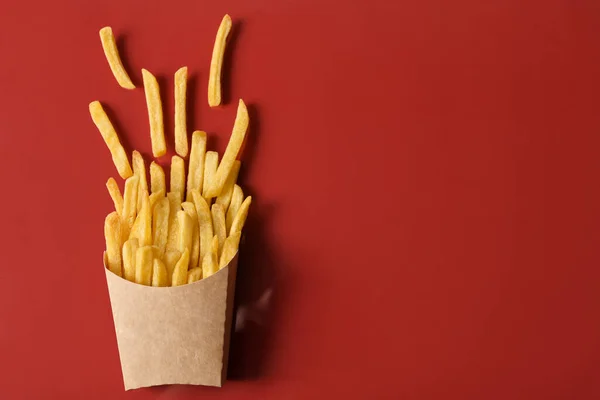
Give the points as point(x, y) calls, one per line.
point(426, 181)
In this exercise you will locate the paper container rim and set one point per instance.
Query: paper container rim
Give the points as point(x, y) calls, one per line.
point(203, 280)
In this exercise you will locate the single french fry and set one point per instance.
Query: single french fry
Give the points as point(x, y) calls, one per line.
point(190, 210)
point(211, 162)
point(195, 178)
point(109, 46)
point(216, 62)
point(139, 170)
point(115, 195)
point(195, 250)
point(157, 178)
point(204, 223)
point(236, 201)
point(194, 274)
point(185, 231)
point(225, 197)
point(178, 176)
point(231, 152)
point(112, 235)
point(181, 141)
point(219, 225)
point(181, 269)
point(129, 206)
point(156, 252)
point(160, 224)
point(155, 114)
point(144, 257)
point(170, 260)
point(174, 207)
point(230, 249)
point(111, 139)
point(210, 262)
point(159, 274)
point(154, 198)
point(129, 254)
point(240, 217)
point(142, 227)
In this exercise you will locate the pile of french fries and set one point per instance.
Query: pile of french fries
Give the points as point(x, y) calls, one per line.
point(160, 237)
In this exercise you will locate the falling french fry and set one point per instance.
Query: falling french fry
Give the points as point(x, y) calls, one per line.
point(155, 114)
point(111, 139)
point(109, 45)
point(181, 141)
point(216, 62)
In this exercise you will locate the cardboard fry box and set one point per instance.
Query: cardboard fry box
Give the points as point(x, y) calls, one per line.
point(173, 335)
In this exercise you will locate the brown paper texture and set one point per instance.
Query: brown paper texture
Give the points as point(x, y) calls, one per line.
point(173, 335)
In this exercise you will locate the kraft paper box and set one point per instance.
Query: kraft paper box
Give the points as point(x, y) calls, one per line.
point(173, 335)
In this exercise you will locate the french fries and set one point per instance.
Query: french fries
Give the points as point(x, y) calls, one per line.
point(216, 62)
point(155, 114)
point(112, 234)
point(160, 224)
point(142, 227)
point(109, 46)
point(155, 197)
point(111, 139)
point(233, 147)
point(225, 197)
point(157, 178)
point(156, 252)
point(185, 231)
point(210, 169)
point(210, 263)
point(181, 269)
point(219, 226)
point(204, 222)
point(178, 176)
point(159, 274)
point(196, 165)
point(139, 170)
point(236, 201)
point(190, 210)
point(240, 217)
point(160, 238)
point(174, 207)
point(115, 195)
point(230, 249)
point(129, 206)
point(129, 255)
point(144, 259)
point(194, 274)
point(171, 258)
point(181, 142)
